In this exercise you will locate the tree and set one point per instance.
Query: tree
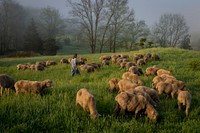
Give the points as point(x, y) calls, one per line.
point(49, 47)
point(51, 24)
point(185, 43)
point(32, 40)
point(12, 19)
point(88, 14)
point(170, 30)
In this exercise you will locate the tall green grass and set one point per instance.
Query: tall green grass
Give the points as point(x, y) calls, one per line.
point(55, 111)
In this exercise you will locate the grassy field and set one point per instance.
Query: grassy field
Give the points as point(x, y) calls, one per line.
point(56, 110)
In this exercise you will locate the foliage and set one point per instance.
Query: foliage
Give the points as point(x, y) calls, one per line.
point(55, 111)
point(50, 47)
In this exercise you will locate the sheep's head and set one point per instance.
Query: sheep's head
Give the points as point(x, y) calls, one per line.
point(49, 83)
point(151, 113)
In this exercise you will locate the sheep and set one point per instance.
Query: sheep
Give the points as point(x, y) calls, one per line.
point(141, 62)
point(32, 87)
point(132, 77)
point(6, 82)
point(87, 101)
point(145, 94)
point(125, 85)
point(134, 103)
point(113, 83)
point(82, 61)
point(147, 57)
point(105, 62)
point(166, 88)
point(135, 70)
point(152, 93)
point(122, 65)
point(50, 63)
point(39, 67)
point(95, 65)
point(87, 68)
point(151, 70)
point(105, 57)
point(124, 56)
point(63, 61)
point(129, 64)
point(184, 99)
point(163, 71)
point(43, 63)
point(155, 57)
point(22, 66)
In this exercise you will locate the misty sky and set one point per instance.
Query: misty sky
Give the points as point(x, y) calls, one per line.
point(148, 10)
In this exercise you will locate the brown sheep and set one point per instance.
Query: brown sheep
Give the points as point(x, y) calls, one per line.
point(141, 62)
point(105, 57)
point(132, 77)
point(82, 60)
point(63, 61)
point(105, 62)
point(125, 85)
point(122, 65)
point(129, 64)
point(22, 66)
point(184, 99)
point(33, 87)
point(147, 57)
point(43, 63)
point(155, 57)
point(87, 101)
point(6, 82)
point(113, 83)
point(151, 70)
point(39, 67)
point(135, 70)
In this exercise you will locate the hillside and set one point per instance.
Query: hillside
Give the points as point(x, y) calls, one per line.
point(56, 110)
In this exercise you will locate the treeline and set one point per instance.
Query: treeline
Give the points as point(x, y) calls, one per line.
point(101, 25)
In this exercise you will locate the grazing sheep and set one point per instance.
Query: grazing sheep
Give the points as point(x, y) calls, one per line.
point(184, 99)
point(105, 57)
point(87, 101)
point(151, 70)
point(129, 64)
point(22, 66)
point(125, 85)
point(6, 82)
point(135, 70)
point(43, 63)
point(50, 63)
point(147, 57)
point(152, 93)
point(132, 77)
point(166, 88)
point(82, 61)
point(134, 103)
point(39, 67)
point(87, 68)
point(141, 62)
point(122, 65)
point(32, 87)
point(155, 57)
point(95, 65)
point(63, 61)
point(113, 83)
point(124, 56)
point(105, 62)
point(163, 71)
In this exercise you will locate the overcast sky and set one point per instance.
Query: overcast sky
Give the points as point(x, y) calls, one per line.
point(148, 10)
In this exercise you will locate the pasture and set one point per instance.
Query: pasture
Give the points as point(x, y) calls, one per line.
point(55, 111)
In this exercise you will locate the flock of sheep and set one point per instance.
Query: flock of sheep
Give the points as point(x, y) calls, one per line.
point(132, 95)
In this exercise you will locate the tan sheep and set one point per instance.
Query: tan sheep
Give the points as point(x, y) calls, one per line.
point(32, 87)
point(125, 85)
point(151, 70)
point(132, 77)
point(22, 66)
point(43, 63)
point(39, 67)
point(129, 64)
point(135, 70)
point(6, 82)
point(105, 62)
point(155, 57)
point(163, 71)
point(87, 101)
point(50, 63)
point(113, 83)
point(87, 68)
point(184, 99)
point(82, 60)
point(105, 57)
point(166, 88)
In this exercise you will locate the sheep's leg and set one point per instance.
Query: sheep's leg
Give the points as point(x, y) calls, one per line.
point(116, 110)
point(187, 111)
point(179, 106)
point(1, 91)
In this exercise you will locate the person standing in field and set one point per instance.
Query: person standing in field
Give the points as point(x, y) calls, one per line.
point(74, 68)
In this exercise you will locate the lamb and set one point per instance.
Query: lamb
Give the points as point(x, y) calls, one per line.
point(32, 87)
point(6, 82)
point(151, 70)
point(42, 63)
point(132, 77)
point(125, 85)
point(113, 83)
point(184, 99)
point(87, 101)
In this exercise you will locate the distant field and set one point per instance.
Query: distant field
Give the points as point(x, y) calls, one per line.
point(56, 111)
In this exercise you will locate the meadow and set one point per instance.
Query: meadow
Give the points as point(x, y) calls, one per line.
point(55, 111)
